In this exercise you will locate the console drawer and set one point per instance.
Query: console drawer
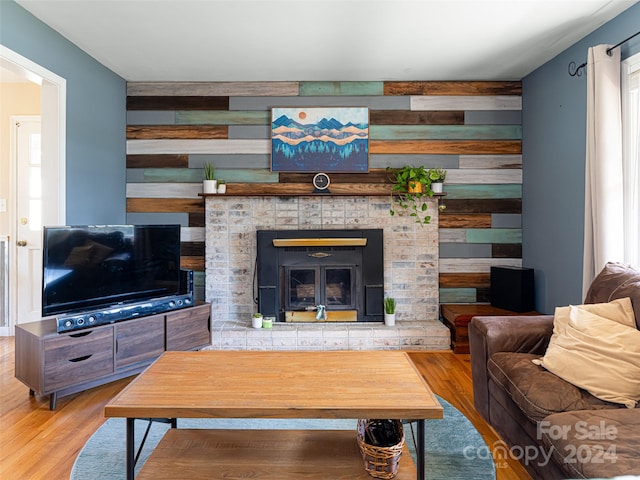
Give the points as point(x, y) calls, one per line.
point(75, 358)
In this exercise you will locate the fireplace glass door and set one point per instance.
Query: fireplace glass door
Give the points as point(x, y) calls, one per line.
point(332, 287)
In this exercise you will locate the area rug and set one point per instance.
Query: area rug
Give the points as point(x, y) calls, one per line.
point(454, 448)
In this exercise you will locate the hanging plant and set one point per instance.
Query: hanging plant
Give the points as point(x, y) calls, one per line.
point(411, 191)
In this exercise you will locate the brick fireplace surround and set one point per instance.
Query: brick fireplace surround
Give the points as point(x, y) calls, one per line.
point(410, 272)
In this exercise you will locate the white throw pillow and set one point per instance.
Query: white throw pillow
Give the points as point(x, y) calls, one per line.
point(619, 310)
point(598, 353)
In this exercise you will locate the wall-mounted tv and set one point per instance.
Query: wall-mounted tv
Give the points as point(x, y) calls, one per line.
point(91, 267)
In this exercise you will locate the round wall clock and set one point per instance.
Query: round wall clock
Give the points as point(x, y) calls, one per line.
point(321, 183)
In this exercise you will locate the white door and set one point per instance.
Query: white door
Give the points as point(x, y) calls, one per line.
point(28, 217)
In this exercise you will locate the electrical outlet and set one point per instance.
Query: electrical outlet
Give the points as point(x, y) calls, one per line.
point(3, 205)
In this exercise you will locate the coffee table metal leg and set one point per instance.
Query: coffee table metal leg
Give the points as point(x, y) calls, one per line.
point(420, 450)
point(131, 463)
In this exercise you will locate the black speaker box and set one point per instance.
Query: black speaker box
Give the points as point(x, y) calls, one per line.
point(512, 288)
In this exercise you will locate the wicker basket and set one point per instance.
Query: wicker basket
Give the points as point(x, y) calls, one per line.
point(380, 462)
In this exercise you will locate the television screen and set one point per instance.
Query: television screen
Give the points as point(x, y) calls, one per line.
point(90, 267)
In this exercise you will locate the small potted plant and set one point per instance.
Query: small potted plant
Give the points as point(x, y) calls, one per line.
point(209, 184)
point(222, 186)
point(389, 311)
point(267, 322)
point(256, 320)
point(436, 178)
point(411, 190)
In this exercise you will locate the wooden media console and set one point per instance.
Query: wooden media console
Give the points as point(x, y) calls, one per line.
point(59, 364)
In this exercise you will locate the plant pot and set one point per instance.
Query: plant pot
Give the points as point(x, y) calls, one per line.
point(222, 188)
point(267, 322)
point(209, 186)
point(256, 322)
point(389, 319)
point(414, 187)
point(436, 187)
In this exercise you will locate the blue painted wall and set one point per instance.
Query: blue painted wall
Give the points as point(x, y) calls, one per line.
point(553, 123)
point(96, 117)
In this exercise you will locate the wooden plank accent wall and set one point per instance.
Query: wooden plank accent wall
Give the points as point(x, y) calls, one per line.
point(147, 132)
point(472, 129)
point(190, 102)
point(445, 147)
point(453, 88)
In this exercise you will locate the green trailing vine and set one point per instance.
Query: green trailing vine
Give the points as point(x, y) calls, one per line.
point(405, 183)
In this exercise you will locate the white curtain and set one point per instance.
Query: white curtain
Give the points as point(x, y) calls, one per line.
point(603, 226)
point(631, 159)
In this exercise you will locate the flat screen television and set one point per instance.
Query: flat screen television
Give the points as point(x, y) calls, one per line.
point(92, 267)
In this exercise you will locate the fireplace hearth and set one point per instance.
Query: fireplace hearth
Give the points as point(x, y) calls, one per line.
point(321, 275)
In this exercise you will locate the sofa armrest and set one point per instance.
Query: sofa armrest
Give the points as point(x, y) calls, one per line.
point(488, 335)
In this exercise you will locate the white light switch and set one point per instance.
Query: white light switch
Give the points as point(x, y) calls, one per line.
point(3, 204)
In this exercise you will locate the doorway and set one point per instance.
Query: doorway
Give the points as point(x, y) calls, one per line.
point(53, 182)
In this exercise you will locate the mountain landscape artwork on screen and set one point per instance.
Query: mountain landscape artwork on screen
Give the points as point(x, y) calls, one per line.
point(328, 139)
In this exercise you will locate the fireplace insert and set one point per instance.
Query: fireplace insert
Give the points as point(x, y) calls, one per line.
point(320, 275)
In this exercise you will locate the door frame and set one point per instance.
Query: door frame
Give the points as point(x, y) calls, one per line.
point(53, 116)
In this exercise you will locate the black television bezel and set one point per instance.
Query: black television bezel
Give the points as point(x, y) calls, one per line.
point(127, 298)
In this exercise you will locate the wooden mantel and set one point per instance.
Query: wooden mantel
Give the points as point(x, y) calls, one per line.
point(304, 189)
point(376, 182)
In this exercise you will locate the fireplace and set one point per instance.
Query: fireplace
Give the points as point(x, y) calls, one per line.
point(410, 273)
point(321, 275)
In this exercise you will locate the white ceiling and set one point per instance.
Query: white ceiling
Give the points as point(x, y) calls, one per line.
point(326, 40)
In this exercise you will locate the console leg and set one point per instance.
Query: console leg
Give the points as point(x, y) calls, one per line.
point(32, 393)
point(53, 399)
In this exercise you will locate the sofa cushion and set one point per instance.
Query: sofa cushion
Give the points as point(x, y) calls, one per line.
point(613, 276)
point(594, 443)
point(536, 391)
point(599, 355)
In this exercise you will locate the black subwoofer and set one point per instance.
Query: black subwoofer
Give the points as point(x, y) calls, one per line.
point(512, 288)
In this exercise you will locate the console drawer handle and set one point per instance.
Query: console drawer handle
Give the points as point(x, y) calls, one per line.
point(81, 359)
point(81, 334)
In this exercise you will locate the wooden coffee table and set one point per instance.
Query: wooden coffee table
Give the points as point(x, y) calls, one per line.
point(246, 384)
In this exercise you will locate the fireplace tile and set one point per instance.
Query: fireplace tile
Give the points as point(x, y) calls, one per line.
point(335, 343)
point(285, 343)
point(236, 342)
point(307, 343)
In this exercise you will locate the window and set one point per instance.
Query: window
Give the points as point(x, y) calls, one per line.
point(631, 157)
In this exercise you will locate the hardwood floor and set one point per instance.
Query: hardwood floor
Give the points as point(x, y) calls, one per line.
point(36, 443)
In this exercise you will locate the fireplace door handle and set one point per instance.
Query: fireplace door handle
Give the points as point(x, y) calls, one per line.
point(319, 255)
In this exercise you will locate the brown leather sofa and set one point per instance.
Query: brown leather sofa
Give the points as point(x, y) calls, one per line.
point(554, 428)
